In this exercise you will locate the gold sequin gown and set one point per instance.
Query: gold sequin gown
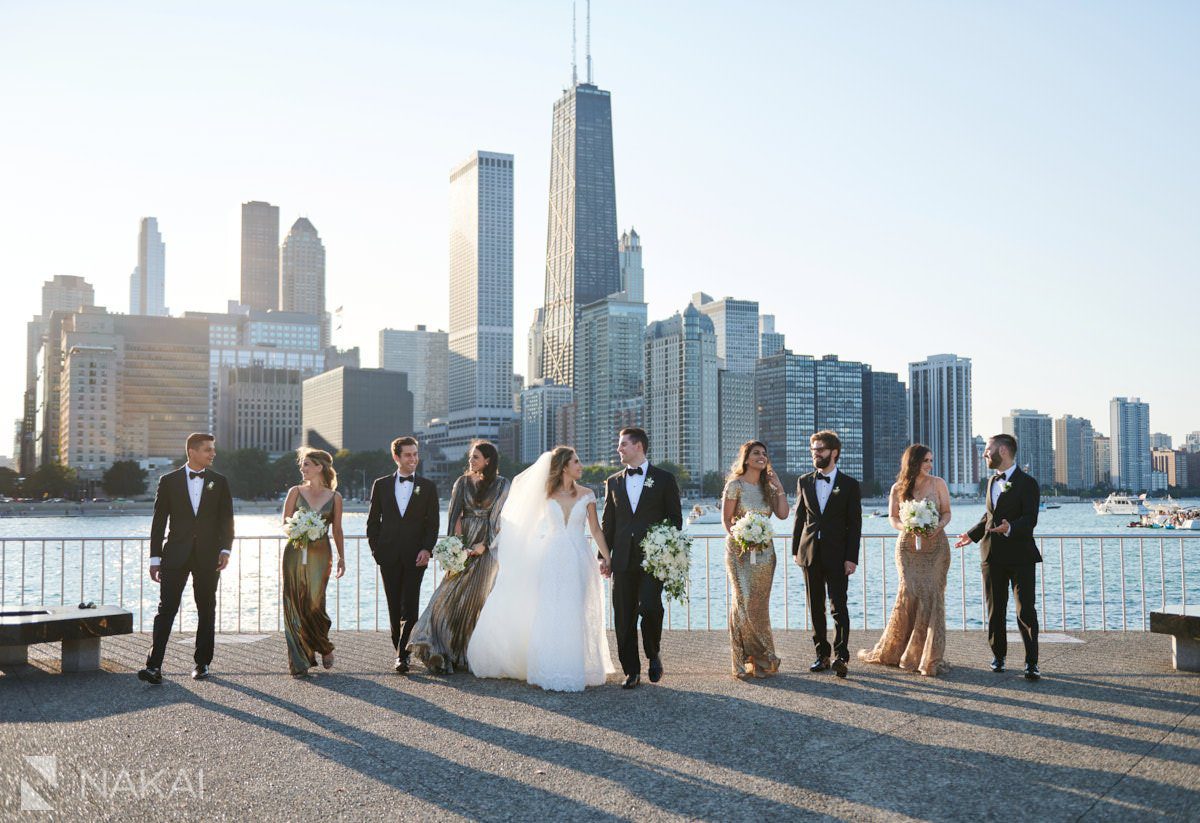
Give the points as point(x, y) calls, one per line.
point(915, 637)
point(305, 621)
point(440, 636)
point(750, 640)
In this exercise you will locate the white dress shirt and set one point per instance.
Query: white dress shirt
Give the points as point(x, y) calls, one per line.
point(195, 487)
point(634, 484)
point(998, 484)
point(824, 490)
point(404, 492)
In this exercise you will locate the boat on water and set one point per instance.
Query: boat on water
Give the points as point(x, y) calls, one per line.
point(701, 514)
point(1117, 503)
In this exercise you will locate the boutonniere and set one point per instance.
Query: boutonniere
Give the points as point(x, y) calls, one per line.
point(416, 489)
point(1007, 485)
point(210, 485)
point(837, 489)
point(649, 484)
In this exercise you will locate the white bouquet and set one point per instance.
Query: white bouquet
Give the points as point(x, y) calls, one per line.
point(451, 554)
point(919, 517)
point(303, 527)
point(666, 554)
point(753, 533)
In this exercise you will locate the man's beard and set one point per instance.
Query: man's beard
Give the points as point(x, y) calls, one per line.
point(823, 461)
point(995, 461)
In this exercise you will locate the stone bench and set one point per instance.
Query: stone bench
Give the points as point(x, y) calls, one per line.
point(79, 630)
point(1184, 628)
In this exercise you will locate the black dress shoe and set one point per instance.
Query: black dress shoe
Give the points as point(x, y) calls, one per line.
point(151, 675)
point(200, 671)
point(655, 670)
point(1031, 672)
point(401, 665)
point(819, 665)
point(997, 664)
point(631, 681)
point(839, 667)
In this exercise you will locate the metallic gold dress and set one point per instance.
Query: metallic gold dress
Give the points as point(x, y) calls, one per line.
point(304, 619)
point(915, 637)
point(440, 637)
point(750, 577)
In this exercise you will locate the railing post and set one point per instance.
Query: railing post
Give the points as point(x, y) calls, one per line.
point(1062, 579)
point(1142, 570)
point(1082, 591)
point(1103, 592)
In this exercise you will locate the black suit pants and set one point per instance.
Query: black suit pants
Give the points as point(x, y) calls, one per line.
point(402, 585)
point(1022, 577)
point(205, 578)
point(822, 582)
point(636, 593)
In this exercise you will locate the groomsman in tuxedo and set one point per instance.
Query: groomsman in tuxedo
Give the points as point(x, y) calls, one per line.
point(402, 528)
point(825, 543)
point(195, 503)
point(1008, 551)
point(636, 498)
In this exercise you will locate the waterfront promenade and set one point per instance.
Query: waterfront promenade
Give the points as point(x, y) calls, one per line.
point(1110, 733)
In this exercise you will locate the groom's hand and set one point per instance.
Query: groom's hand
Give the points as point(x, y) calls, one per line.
point(156, 573)
point(423, 559)
point(850, 567)
point(963, 539)
point(1003, 528)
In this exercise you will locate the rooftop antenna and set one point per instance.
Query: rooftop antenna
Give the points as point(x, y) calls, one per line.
point(574, 73)
point(589, 41)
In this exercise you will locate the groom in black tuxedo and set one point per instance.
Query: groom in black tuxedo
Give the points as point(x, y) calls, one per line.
point(636, 498)
point(195, 501)
point(825, 543)
point(1008, 552)
point(402, 528)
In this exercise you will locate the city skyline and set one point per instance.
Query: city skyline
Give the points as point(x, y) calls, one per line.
point(1020, 206)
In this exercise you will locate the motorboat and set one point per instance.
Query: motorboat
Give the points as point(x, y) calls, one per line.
point(702, 514)
point(1117, 503)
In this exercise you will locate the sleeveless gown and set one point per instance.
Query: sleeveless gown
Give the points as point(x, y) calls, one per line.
point(915, 637)
point(750, 640)
point(305, 621)
point(441, 634)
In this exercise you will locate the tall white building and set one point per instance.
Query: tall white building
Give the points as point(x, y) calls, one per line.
point(1035, 442)
point(629, 260)
point(735, 323)
point(481, 297)
point(302, 274)
point(770, 342)
point(1129, 423)
point(533, 343)
point(682, 396)
point(939, 406)
point(148, 283)
point(424, 356)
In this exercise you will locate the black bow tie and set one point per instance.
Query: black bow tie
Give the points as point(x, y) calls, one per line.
point(193, 475)
point(1000, 477)
point(631, 472)
point(404, 479)
point(824, 477)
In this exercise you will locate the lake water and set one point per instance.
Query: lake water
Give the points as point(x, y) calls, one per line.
point(1104, 576)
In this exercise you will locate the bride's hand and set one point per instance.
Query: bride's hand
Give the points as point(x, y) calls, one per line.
point(477, 549)
point(605, 568)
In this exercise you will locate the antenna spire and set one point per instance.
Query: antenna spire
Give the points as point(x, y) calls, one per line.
point(574, 72)
point(589, 42)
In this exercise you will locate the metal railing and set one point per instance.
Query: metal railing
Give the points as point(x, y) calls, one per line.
point(1086, 582)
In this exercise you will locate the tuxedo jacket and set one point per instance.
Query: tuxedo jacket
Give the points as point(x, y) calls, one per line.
point(625, 528)
point(177, 531)
point(839, 526)
point(1018, 504)
point(396, 538)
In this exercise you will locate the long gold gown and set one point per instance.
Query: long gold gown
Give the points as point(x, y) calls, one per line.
point(915, 637)
point(750, 640)
point(305, 622)
point(440, 636)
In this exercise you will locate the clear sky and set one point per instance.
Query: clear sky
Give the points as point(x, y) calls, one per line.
point(1013, 182)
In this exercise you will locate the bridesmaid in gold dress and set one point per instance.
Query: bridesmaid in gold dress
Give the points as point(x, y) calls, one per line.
point(305, 622)
point(440, 637)
point(752, 486)
point(915, 637)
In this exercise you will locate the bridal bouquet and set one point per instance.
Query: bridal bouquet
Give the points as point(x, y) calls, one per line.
point(451, 554)
point(304, 527)
point(666, 554)
point(753, 533)
point(919, 517)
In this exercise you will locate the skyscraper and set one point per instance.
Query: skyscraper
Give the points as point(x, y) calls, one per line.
point(1129, 422)
point(581, 227)
point(260, 255)
point(1159, 440)
point(355, 409)
point(839, 408)
point(770, 341)
point(1035, 442)
point(633, 276)
point(736, 325)
point(481, 297)
point(609, 367)
point(540, 429)
point(885, 428)
point(424, 356)
point(681, 393)
point(533, 346)
point(1074, 453)
point(147, 284)
point(302, 274)
point(940, 416)
point(1103, 452)
point(785, 395)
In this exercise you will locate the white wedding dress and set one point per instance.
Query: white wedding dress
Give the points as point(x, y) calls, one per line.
point(544, 619)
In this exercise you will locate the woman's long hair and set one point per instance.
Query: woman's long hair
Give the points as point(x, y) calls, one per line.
point(492, 455)
point(910, 470)
point(739, 468)
point(323, 459)
point(559, 458)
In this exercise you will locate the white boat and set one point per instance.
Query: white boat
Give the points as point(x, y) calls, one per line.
point(1166, 507)
point(1117, 503)
point(704, 514)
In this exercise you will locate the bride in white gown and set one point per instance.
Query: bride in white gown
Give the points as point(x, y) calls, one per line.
point(544, 619)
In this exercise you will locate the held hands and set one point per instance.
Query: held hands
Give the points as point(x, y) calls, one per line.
point(423, 558)
point(605, 568)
